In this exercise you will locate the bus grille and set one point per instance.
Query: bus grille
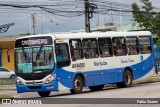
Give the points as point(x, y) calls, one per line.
point(31, 82)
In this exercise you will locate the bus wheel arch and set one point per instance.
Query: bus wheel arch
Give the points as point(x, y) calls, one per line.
point(78, 84)
point(130, 70)
point(44, 94)
point(96, 88)
point(127, 79)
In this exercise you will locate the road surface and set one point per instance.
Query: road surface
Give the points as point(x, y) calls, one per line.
point(140, 91)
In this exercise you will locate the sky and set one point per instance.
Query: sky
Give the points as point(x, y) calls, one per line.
point(47, 23)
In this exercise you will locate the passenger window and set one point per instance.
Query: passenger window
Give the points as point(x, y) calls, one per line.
point(90, 48)
point(76, 49)
point(62, 55)
point(105, 47)
point(132, 48)
point(144, 45)
point(119, 46)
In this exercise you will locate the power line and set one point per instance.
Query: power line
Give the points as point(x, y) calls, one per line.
point(67, 9)
point(70, 9)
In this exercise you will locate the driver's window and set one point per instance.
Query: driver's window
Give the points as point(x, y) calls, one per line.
point(62, 55)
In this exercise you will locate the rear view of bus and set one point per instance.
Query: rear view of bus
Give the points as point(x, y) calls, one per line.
point(34, 65)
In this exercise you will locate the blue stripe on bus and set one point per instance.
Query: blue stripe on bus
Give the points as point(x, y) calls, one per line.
point(106, 76)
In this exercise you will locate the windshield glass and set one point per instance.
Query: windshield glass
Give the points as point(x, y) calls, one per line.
point(34, 59)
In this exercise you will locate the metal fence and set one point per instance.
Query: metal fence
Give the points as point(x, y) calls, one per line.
point(157, 57)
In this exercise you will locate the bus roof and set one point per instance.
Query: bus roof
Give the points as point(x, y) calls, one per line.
point(101, 34)
point(69, 35)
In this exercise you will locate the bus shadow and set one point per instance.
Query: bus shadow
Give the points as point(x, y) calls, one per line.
point(86, 90)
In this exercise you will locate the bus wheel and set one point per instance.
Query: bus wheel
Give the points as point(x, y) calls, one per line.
point(127, 80)
point(78, 85)
point(96, 88)
point(44, 94)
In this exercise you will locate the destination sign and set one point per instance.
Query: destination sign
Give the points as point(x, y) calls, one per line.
point(34, 41)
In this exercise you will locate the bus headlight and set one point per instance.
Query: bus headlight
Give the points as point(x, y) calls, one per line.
point(50, 78)
point(19, 81)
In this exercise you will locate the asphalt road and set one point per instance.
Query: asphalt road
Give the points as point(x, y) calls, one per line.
point(121, 96)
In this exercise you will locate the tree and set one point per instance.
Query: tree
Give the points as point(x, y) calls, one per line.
point(146, 17)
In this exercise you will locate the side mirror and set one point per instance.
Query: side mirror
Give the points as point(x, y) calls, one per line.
point(8, 53)
point(8, 58)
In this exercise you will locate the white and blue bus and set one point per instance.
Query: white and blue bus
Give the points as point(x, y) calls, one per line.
point(53, 62)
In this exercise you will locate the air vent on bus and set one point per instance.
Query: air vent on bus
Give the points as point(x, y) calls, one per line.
point(34, 87)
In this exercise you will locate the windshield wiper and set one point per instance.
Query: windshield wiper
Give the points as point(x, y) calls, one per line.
point(24, 53)
point(38, 53)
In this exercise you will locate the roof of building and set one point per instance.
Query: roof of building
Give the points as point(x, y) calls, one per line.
point(124, 27)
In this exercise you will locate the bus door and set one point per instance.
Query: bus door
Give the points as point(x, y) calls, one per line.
point(63, 62)
point(145, 50)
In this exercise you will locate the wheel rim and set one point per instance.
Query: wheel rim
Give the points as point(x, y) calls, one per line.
point(77, 84)
point(128, 79)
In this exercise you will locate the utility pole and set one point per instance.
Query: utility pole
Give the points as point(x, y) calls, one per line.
point(120, 16)
point(33, 23)
point(87, 18)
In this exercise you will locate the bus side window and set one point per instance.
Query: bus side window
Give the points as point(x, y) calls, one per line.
point(76, 49)
point(90, 48)
point(119, 46)
point(62, 54)
point(144, 45)
point(132, 45)
point(105, 47)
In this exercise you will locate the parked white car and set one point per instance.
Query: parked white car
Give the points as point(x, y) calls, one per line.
point(6, 73)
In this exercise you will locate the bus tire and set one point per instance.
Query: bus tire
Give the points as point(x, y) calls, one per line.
point(78, 85)
point(44, 94)
point(127, 80)
point(96, 88)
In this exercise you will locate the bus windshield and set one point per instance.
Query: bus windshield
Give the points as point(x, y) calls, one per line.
point(34, 59)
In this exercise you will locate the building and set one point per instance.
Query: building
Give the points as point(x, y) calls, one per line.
point(7, 48)
point(112, 27)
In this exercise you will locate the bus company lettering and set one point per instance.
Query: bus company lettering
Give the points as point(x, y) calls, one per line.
point(78, 65)
point(100, 63)
point(34, 42)
point(126, 60)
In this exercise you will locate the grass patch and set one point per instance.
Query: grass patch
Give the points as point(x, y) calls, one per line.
point(4, 96)
point(7, 81)
point(147, 80)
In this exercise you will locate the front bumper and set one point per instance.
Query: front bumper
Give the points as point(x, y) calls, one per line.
point(37, 87)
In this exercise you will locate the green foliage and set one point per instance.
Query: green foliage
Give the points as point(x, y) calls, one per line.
point(7, 81)
point(4, 96)
point(146, 17)
point(147, 80)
